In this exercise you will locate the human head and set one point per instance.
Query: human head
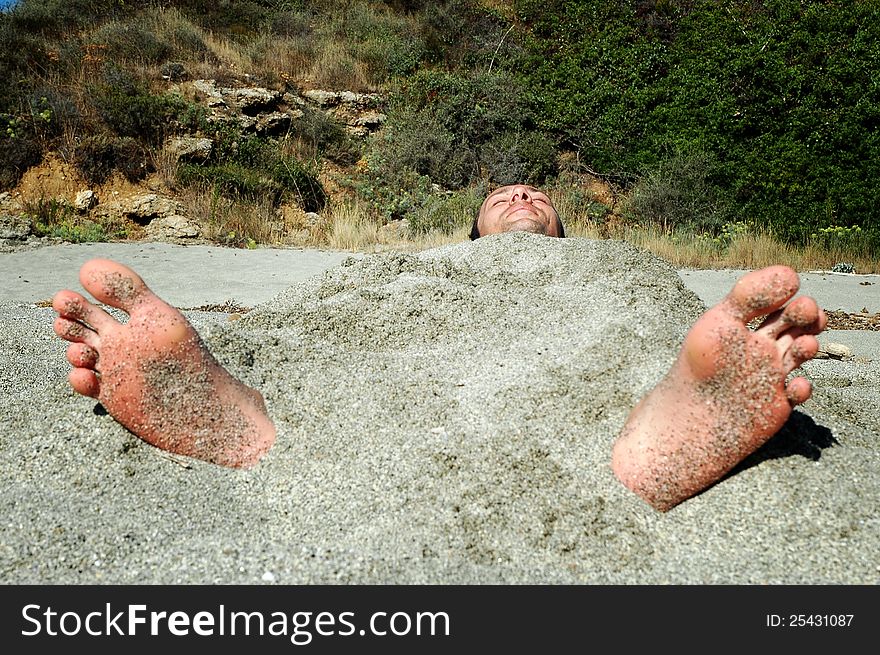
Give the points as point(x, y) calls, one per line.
point(517, 208)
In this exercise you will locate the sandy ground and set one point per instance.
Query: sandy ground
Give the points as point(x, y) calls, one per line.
point(444, 417)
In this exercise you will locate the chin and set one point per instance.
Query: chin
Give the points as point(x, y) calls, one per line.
point(528, 226)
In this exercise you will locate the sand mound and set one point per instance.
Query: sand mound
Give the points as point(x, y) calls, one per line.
point(444, 416)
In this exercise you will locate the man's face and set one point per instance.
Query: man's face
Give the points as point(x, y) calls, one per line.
point(518, 208)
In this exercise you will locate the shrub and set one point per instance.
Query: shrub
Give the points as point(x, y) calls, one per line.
point(129, 41)
point(252, 167)
point(300, 181)
point(447, 212)
point(679, 194)
point(128, 108)
point(132, 159)
point(96, 157)
point(59, 220)
point(52, 112)
point(326, 137)
point(230, 179)
point(394, 197)
point(450, 126)
point(519, 157)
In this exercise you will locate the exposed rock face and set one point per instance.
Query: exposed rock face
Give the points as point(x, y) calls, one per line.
point(267, 112)
point(172, 228)
point(147, 206)
point(357, 112)
point(255, 110)
point(162, 217)
point(190, 148)
point(14, 227)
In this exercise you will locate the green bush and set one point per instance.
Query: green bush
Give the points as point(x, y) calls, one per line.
point(456, 128)
point(250, 167)
point(59, 220)
point(230, 179)
point(394, 197)
point(678, 194)
point(782, 94)
point(95, 158)
point(129, 108)
point(513, 157)
point(129, 41)
point(52, 112)
point(447, 212)
point(326, 137)
point(301, 182)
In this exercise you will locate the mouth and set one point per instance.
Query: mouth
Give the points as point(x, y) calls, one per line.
point(517, 209)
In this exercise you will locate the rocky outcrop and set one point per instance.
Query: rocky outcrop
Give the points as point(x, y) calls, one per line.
point(358, 112)
point(163, 218)
point(267, 112)
point(190, 148)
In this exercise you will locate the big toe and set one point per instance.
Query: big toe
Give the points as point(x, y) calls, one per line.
point(763, 291)
point(113, 283)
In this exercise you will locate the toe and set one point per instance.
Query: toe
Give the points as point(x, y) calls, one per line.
point(802, 313)
point(802, 349)
point(113, 283)
point(73, 306)
point(82, 356)
point(798, 391)
point(761, 292)
point(84, 381)
point(76, 332)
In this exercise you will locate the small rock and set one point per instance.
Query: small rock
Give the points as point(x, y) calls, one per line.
point(253, 99)
point(172, 227)
point(834, 351)
point(85, 200)
point(322, 98)
point(268, 576)
point(273, 123)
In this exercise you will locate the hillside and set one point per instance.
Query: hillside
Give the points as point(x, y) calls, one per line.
point(352, 123)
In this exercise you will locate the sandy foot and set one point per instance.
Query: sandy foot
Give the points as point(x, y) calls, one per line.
point(726, 395)
point(154, 375)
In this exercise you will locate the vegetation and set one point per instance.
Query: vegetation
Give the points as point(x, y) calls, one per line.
point(715, 126)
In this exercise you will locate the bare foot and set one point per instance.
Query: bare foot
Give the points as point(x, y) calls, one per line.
point(725, 395)
point(154, 375)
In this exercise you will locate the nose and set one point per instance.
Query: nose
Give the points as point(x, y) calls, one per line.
point(520, 193)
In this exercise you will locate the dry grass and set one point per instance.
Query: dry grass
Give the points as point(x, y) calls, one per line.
point(233, 222)
point(166, 164)
point(336, 68)
point(746, 251)
point(280, 58)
